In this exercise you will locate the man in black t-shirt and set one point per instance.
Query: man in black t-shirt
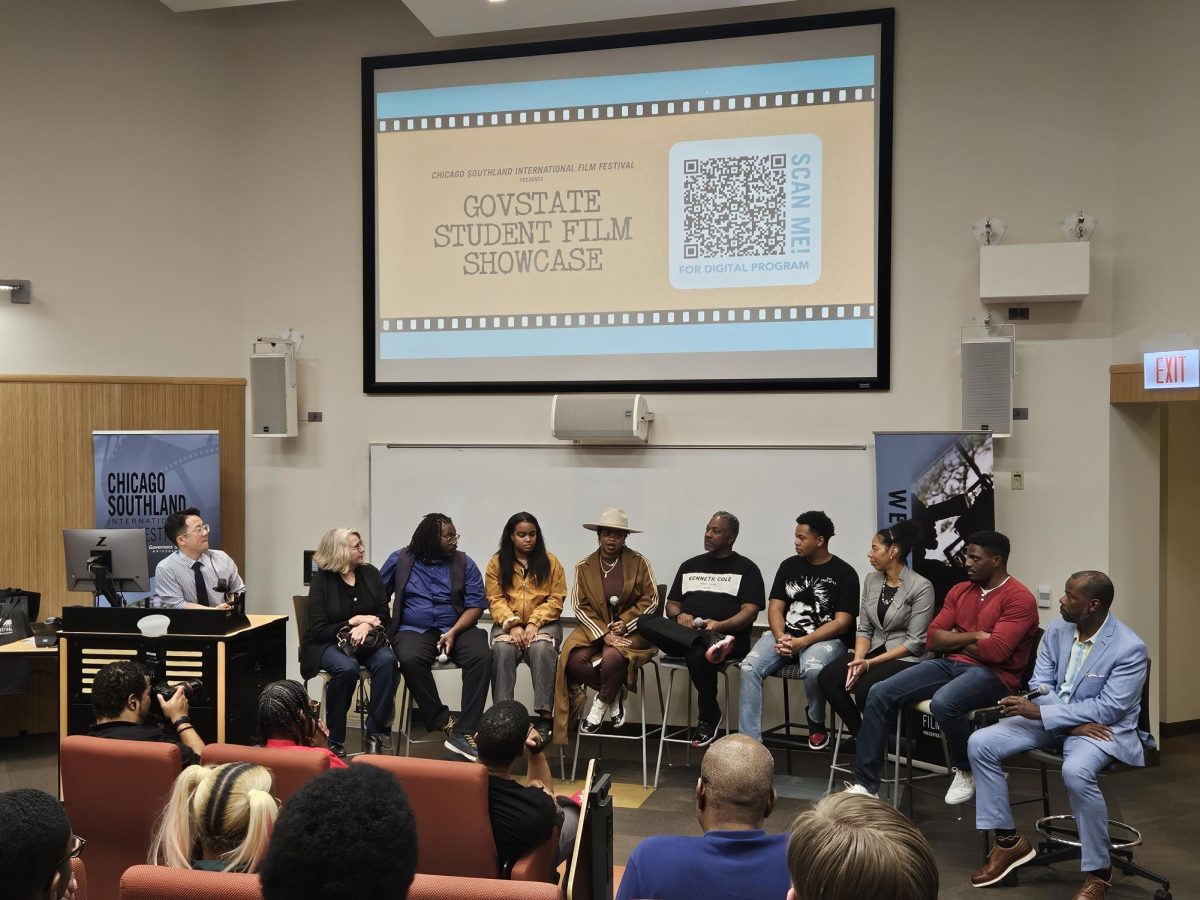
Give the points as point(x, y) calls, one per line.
point(710, 609)
point(814, 603)
point(523, 816)
point(121, 699)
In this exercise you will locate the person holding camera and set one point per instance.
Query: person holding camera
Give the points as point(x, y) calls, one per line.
point(194, 577)
point(346, 611)
point(124, 705)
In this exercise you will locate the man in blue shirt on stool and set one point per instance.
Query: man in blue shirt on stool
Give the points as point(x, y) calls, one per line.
point(439, 598)
point(735, 859)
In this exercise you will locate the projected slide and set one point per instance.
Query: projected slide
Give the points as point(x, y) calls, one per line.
point(632, 217)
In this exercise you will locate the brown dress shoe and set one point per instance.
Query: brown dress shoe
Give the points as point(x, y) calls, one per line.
point(1003, 860)
point(1093, 888)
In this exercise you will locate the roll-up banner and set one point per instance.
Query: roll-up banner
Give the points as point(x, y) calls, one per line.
point(943, 481)
point(144, 476)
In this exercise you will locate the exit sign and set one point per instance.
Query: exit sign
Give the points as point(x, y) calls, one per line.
point(1171, 369)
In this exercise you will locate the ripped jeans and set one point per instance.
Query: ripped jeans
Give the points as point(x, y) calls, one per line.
point(762, 661)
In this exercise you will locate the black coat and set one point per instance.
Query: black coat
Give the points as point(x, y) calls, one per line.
point(328, 611)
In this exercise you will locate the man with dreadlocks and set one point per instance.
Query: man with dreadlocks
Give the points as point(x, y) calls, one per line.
point(439, 598)
point(286, 722)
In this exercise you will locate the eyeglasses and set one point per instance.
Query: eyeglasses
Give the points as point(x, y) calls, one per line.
point(199, 529)
point(452, 538)
point(77, 846)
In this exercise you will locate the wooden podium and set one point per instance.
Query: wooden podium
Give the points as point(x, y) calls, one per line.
point(234, 665)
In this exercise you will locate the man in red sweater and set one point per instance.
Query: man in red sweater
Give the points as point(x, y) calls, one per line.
point(985, 633)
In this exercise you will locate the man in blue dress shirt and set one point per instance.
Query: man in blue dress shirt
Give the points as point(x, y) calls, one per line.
point(735, 859)
point(1091, 667)
point(438, 599)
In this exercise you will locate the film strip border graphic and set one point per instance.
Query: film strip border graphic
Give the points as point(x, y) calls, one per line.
point(747, 315)
point(650, 109)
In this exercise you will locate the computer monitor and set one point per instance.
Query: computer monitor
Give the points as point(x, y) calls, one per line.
point(106, 562)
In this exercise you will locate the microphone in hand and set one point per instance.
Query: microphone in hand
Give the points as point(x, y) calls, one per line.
point(1039, 691)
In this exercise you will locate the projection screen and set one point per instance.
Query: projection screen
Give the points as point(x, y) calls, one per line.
point(688, 210)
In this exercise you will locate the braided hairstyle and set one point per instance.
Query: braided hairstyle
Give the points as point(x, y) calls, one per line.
point(426, 543)
point(226, 811)
point(283, 712)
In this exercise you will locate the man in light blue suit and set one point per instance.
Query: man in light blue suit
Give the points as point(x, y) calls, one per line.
point(1092, 667)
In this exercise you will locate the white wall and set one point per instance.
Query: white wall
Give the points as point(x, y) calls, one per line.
point(184, 183)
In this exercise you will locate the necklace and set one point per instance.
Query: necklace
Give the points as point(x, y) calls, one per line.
point(607, 569)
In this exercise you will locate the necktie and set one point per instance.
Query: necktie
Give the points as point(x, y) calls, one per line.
point(201, 587)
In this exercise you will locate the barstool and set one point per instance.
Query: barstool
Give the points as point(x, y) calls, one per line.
point(404, 712)
point(646, 731)
point(668, 736)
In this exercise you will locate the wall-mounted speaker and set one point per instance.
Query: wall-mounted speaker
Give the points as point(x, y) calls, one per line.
point(600, 418)
point(273, 409)
point(987, 384)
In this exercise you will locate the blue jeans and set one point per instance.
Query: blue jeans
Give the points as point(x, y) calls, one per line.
point(1082, 762)
point(343, 679)
point(762, 661)
point(956, 689)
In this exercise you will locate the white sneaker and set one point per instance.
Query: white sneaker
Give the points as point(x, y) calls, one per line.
point(962, 788)
point(596, 715)
point(859, 790)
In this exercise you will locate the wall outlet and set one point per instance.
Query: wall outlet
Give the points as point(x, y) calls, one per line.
point(1018, 481)
point(315, 417)
point(1043, 597)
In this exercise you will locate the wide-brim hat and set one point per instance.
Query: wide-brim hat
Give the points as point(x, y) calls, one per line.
point(612, 518)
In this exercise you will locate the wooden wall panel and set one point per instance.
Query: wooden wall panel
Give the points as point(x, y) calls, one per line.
point(46, 465)
point(1126, 384)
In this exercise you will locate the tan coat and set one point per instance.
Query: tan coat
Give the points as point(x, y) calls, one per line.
point(639, 594)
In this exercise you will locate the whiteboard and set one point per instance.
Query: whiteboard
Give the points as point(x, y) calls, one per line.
point(669, 493)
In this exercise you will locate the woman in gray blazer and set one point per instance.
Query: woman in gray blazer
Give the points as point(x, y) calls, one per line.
point(893, 617)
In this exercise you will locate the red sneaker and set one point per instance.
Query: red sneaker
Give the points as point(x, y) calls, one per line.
point(717, 653)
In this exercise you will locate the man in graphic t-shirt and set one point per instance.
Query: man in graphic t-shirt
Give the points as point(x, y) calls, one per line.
point(814, 602)
point(710, 608)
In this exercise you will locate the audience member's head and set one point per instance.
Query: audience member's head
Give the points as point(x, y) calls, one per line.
point(502, 732)
point(339, 550)
point(222, 813)
point(736, 787)
point(284, 713)
point(36, 845)
point(848, 847)
point(122, 689)
point(348, 834)
point(818, 523)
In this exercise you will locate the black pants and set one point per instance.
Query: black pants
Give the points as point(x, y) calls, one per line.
point(416, 651)
point(676, 640)
point(833, 684)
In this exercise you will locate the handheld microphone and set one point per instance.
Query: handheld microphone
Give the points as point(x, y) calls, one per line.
point(1040, 691)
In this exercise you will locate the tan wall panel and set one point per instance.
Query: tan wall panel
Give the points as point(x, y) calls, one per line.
point(46, 466)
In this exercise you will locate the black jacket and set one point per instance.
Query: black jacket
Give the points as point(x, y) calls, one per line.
point(328, 612)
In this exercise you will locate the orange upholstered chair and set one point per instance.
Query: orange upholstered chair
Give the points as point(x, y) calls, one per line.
point(291, 768)
point(162, 883)
point(79, 873)
point(114, 791)
point(454, 832)
point(447, 887)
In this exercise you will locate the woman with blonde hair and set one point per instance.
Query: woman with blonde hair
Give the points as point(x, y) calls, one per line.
point(347, 608)
point(218, 818)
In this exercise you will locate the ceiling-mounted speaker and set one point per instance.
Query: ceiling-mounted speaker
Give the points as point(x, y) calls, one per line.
point(600, 418)
point(988, 366)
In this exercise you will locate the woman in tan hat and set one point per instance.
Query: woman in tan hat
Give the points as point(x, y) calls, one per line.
point(613, 586)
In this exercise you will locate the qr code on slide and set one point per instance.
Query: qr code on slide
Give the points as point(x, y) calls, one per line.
point(735, 206)
point(745, 212)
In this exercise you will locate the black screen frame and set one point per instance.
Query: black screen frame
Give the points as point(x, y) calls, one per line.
point(884, 18)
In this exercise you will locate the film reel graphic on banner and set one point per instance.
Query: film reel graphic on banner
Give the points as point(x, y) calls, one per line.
point(142, 477)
